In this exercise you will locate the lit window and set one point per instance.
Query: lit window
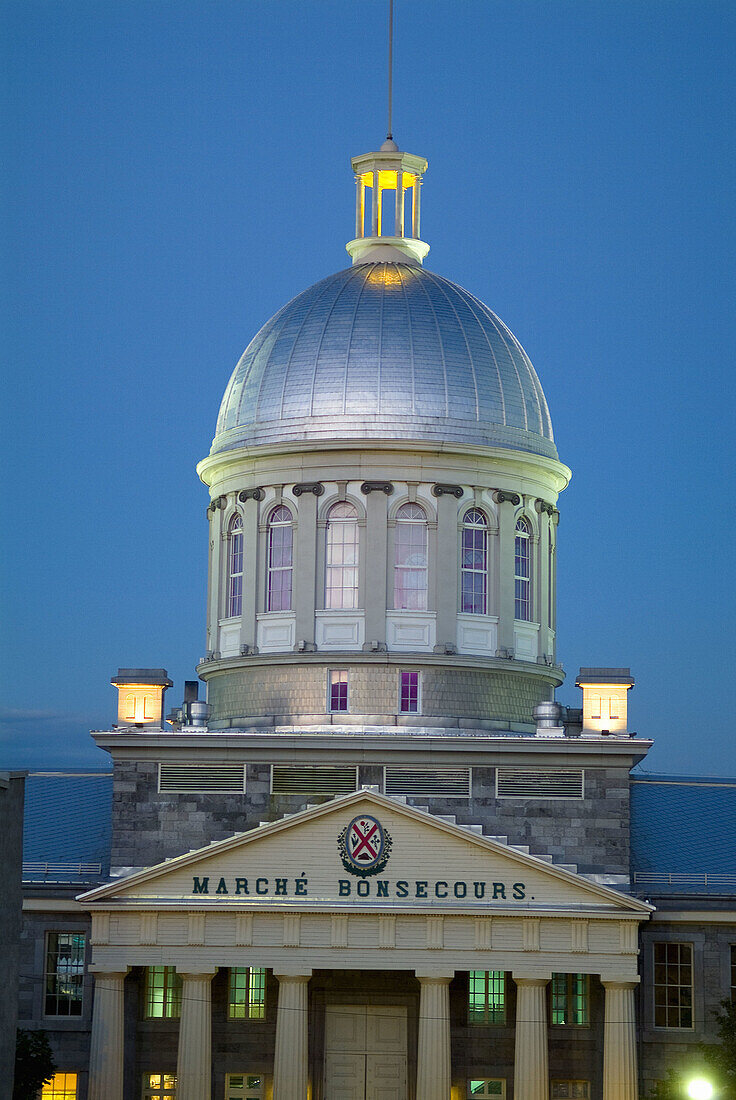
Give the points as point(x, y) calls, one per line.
point(247, 993)
point(339, 689)
point(64, 973)
point(235, 567)
point(341, 579)
point(570, 998)
point(522, 570)
point(409, 692)
point(62, 1086)
point(487, 999)
point(162, 993)
point(614, 705)
point(570, 1090)
point(280, 559)
point(159, 1086)
point(474, 563)
point(673, 985)
point(487, 1086)
point(410, 559)
point(244, 1086)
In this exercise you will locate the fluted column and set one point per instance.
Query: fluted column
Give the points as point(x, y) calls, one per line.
point(531, 1068)
point(194, 1060)
point(433, 1054)
point(108, 1037)
point(619, 1042)
point(290, 1072)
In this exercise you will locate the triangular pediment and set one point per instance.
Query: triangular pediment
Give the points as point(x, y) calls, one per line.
point(365, 849)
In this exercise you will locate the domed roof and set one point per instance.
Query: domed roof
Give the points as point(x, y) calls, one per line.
point(385, 351)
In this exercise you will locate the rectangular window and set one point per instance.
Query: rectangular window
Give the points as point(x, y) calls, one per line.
point(247, 993)
point(487, 1086)
point(487, 998)
point(64, 973)
point(159, 1086)
point(244, 1086)
point(673, 985)
point(62, 1086)
point(162, 993)
point(570, 998)
point(409, 692)
point(339, 689)
point(570, 1090)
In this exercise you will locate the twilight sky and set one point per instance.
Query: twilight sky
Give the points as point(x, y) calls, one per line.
point(176, 171)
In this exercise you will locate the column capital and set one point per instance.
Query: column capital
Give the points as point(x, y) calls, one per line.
point(437, 977)
point(101, 971)
point(532, 981)
point(199, 974)
point(302, 975)
point(620, 983)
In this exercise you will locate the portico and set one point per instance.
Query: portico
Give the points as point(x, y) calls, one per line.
point(367, 884)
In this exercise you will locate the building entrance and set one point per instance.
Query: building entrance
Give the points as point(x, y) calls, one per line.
point(365, 1052)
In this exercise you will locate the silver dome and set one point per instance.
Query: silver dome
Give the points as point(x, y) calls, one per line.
point(385, 351)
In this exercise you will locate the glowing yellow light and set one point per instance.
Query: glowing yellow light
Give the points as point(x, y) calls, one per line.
point(387, 180)
point(699, 1089)
point(386, 276)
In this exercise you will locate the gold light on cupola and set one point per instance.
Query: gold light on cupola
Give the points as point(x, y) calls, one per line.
point(387, 229)
point(605, 693)
point(141, 696)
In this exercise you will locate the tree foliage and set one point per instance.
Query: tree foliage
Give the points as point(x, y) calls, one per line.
point(34, 1064)
point(714, 1061)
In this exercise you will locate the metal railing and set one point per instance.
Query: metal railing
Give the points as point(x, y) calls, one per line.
point(49, 870)
point(660, 878)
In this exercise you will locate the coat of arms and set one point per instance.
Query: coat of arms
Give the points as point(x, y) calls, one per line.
point(364, 846)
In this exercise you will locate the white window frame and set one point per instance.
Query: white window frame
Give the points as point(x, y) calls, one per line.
point(245, 1093)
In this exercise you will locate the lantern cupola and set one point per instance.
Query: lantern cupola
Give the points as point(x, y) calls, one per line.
point(387, 227)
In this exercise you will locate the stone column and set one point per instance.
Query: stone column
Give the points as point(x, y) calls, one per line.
point(446, 571)
point(305, 567)
point(194, 1060)
point(399, 226)
point(619, 1042)
point(376, 576)
point(250, 572)
point(531, 1069)
point(433, 1054)
point(290, 1072)
point(506, 537)
point(214, 580)
point(415, 208)
point(543, 588)
point(108, 1039)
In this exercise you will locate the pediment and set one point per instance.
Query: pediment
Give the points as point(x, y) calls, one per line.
point(365, 850)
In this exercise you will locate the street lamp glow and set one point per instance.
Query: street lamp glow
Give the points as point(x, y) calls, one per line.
point(699, 1089)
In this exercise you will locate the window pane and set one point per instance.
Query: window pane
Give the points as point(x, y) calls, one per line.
point(487, 997)
point(64, 973)
point(673, 991)
point(247, 993)
point(474, 561)
point(162, 994)
point(62, 1086)
point(409, 692)
point(410, 559)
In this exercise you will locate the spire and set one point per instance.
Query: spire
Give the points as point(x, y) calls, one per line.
point(390, 235)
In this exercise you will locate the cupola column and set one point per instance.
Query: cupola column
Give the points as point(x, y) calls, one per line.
point(218, 548)
point(250, 572)
point(305, 578)
point(544, 586)
point(415, 199)
point(446, 573)
point(376, 567)
point(506, 529)
point(376, 206)
point(359, 208)
point(399, 223)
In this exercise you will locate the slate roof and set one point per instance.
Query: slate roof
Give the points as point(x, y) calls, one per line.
point(67, 827)
point(683, 834)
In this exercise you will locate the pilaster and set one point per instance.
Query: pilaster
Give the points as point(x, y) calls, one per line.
point(376, 572)
point(305, 567)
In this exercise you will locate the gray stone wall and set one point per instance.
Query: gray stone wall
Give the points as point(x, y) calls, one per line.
point(291, 690)
point(662, 1049)
point(11, 855)
point(68, 1037)
point(592, 832)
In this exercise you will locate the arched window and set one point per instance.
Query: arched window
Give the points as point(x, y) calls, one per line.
point(474, 563)
point(523, 570)
point(280, 559)
point(410, 559)
point(341, 576)
point(235, 566)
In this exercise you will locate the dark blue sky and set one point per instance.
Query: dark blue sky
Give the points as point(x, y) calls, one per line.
point(176, 171)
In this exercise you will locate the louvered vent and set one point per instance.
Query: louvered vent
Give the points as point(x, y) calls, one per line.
point(427, 782)
point(208, 778)
point(540, 783)
point(313, 780)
